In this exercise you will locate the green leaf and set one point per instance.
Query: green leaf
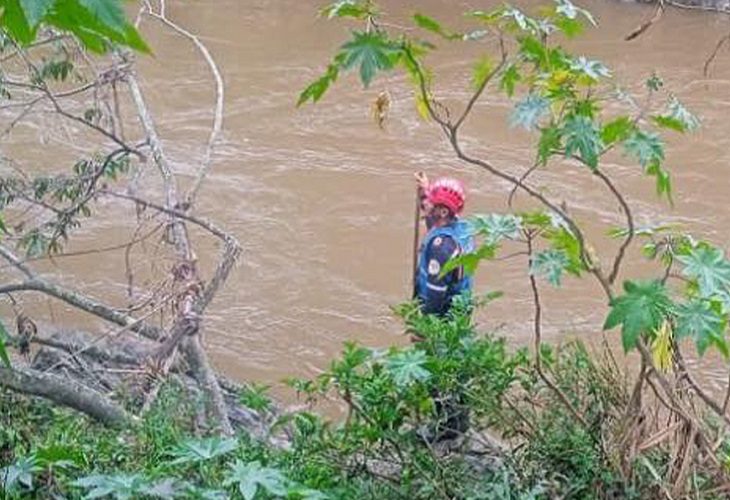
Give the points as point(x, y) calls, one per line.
point(550, 264)
point(201, 450)
point(407, 367)
point(482, 69)
point(563, 240)
point(582, 137)
point(469, 261)
point(316, 89)
point(521, 21)
point(570, 27)
point(549, 143)
point(569, 10)
point(15, 23)
point(527, 112)
point(668, 122)
point(663, 180)
point(346, 8)
point(107, 12)
point(252, 477)
point(430, 24)
point(703, 322)
point(678, 112)
point(640, 311)
point(3, 342)
point(534, 51)
point(617, 130)
point(509, 80)
point(709, 267)
point(18, 474)
point(120, 486)
point(496, 227)
point(35, 10)
point(371, 51)
point(95, 23)
point(594, 70)
point(646, 147)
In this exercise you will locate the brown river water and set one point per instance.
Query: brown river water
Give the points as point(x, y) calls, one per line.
point(322, 199)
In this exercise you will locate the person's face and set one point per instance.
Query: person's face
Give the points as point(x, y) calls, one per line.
point(436, 214)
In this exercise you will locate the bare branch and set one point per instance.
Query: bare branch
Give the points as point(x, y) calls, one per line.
point(219, 90)
point(475, 97)
point(629, 221)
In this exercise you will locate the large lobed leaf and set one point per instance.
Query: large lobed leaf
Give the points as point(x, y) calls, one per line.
point(200, 450)
point(709, 267)
point(641, 310)
point(250, 478)
point(529, 111)
point(550, 264)
point(371, 51)
point(704, 322)
point(407, 367)
point(582, 139)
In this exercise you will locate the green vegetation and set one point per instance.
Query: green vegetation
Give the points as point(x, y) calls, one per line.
point(377, 451)
point(551, 422)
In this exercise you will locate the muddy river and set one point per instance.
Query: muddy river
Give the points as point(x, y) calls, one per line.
point(322, 199)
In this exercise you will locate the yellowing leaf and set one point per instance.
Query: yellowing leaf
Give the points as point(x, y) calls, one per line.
point(661, 347)
point(422, 107)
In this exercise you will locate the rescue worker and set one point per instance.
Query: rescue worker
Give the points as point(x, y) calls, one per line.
point(442, 201)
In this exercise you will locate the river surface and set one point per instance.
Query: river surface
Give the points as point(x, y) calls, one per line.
point(322, 199)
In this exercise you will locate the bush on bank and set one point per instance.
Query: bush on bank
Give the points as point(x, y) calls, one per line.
point(522, 441)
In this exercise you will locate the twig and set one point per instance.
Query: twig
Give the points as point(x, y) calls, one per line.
point(537, 329)
point(646, 25)
point(722, 41)
point(629, 221)
point(80, 301)
point(219, 99)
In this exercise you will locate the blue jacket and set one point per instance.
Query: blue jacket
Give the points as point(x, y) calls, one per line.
point(441, 244)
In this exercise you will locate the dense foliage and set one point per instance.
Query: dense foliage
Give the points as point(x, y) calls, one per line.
point(378, 451)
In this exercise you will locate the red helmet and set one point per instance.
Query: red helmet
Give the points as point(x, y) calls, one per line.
point(447, 192)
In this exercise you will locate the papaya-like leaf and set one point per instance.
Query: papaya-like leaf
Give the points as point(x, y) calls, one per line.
point(705, 323)
point(250, 478)
point(371, 51)
point(551, 264)
point(496, 227)
point(529, 111)
point(549, 143)
point(709, 267)
point(646, 147)
point(582, 139)
point(641, 310)
point(407, 367)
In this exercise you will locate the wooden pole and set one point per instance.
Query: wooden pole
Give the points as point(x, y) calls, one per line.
point(416, 239)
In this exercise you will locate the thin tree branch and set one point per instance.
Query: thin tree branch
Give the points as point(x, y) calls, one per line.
point(219, 91)
point(537, 329)
point(629, 221)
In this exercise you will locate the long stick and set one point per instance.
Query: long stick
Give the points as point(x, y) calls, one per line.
point(416, 239)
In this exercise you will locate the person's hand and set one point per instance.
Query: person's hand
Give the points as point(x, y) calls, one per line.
point(422, 181)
